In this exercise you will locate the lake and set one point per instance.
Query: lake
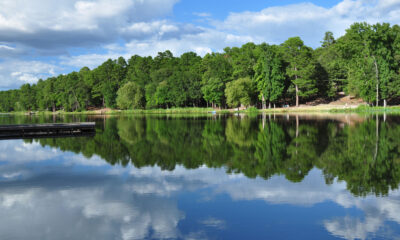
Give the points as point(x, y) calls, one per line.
point(204, 177)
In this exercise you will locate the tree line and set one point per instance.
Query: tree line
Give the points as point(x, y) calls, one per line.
point(365, 62)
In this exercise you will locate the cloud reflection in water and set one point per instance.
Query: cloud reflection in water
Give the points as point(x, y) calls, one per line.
point(47, 194)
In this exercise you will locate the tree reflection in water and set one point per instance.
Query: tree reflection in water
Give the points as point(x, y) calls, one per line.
point(362, 151)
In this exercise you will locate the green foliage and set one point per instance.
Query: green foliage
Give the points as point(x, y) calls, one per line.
point(329, 40)
point(301, 67)
point(243, 60)
point(270, 75)
point(239, 92)
point(333, 70)
point(370, 52)
point(130, 96)
point(213, 91)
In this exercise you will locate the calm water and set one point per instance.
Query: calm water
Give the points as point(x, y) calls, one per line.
point(205, 177)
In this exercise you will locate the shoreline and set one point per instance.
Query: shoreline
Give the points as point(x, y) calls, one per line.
point(325, 108)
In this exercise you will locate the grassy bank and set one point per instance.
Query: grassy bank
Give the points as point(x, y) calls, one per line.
point(323, 108)
point(363, 109)
point(369, 110)
point(122, 112)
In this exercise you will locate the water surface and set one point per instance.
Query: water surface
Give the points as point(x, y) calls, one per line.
point(205, 177)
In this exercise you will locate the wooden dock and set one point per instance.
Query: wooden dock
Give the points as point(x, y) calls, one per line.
point(47, 130)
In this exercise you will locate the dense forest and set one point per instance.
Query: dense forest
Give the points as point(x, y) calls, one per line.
point(365, 62)
point(364, 154)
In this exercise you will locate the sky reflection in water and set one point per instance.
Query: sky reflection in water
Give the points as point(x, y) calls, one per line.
point(46, 193)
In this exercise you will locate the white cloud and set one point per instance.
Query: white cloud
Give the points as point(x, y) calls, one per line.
point(214, 223)
point(376, 210)
point(88, 60)
point(95, 212)
point(202, 42)
point(49, 24)
point(137, 203)
point(66, 15)
point(202, 14)
point(353, 228)
point(277, 190)
point(20, 152)
point(5, 47)
point(307, 20)
point(14, 73)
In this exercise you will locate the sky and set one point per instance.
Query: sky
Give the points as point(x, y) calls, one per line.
point(43, 38)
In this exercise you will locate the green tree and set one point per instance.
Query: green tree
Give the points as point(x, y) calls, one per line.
point(270, 76)
point(130, 96)
point(215, 67)
point(370, 54)
point(329, 39)
point(239, 92)
point(334, 70)
point(213, 91)
point(242, 59)
point(300, 68)
point(27, 97)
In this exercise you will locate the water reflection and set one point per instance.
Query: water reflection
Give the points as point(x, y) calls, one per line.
point(362, 151)
point(152, 177)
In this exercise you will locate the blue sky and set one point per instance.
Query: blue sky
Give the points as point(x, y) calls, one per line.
point(183, 10)
point(42, 38)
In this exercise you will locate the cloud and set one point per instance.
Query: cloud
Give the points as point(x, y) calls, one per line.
point(376, 210)
point(277, 190)
point(198, 40)
point(48, 24)
point(88, 60)
point(214, 223)
point(202, 14)
point(14, 73)
point(102, 212)
point(132, 203)
point(307, 20)
point(18, 151)
point(8, 51)
point(158, 29)
point(353, 228)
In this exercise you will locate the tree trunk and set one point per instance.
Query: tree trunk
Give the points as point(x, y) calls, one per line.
point(263, 120)
point(376, 137)
point(263, 101)
point(297, 88)
point(54, 107)
point(269, 105)
point(384, 103)
point(297, 131)
point(297, 126)
point(377, 81)
point(104, 102)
